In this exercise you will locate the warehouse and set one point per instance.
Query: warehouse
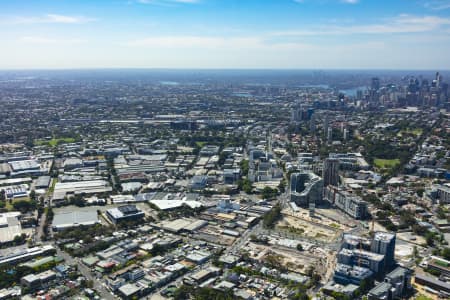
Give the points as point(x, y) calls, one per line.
point(74, 219)
point(9, 226)
point(63, 189)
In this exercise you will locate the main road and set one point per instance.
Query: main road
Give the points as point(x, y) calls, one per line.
point(86, 272)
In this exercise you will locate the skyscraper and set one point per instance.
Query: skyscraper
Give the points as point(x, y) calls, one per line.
point(326, 122)
point(329, 134)
point(331, 172)
point(375, 86)
point(312, 124)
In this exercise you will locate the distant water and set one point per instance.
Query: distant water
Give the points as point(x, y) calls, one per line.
point(169, 83)
point(242, 95)
point(352, 92)
point(322, 86)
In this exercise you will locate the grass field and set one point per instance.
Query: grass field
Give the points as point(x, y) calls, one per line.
point(54, 142)
point(415, 131)
point(200, 144)
point(385, 163)
point(423, 297)
point(9, 206)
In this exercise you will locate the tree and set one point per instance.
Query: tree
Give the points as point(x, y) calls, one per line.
point(282, 186)
point(299, 247)
point(420, 192)
point(244, 167)
point(33, 195)
point(446, 253)
point(245, 185)
point(25, 206)
point(271, 217)
point(269, 193)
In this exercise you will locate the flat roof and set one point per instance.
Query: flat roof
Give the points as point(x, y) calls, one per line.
point(75, 218)
point(169, 204)
point(129, 289)
point(434, 281)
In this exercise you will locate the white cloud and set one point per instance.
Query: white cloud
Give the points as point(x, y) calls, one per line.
point(168, 2)
point(350, 1)
point(401, 24)
point(51, 19)
point(215, 43)
point(437, 5)
point(53, 41)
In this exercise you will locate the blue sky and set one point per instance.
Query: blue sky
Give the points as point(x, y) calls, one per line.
point(280, 34)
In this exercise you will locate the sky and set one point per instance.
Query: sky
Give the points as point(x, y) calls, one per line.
point(215, 34)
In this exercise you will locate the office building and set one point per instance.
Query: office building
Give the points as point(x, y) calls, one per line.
point(326, 124)
point(331, 172)
point(124, 213)
point(329, 134)
point(306, 189)
point(375, 85)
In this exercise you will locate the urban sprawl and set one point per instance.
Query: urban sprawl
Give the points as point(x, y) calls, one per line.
point(224, 185)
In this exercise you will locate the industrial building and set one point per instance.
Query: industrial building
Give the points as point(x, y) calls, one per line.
point(15, 191)
point(26, 254)
point(21, 166)
point(74, 219)
point(9, 226)
point(63, 189)
point(43, 182)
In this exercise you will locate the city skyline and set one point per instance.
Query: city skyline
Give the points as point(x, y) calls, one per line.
point(213, 34)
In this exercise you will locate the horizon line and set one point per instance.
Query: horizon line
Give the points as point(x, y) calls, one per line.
point(219, 69)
